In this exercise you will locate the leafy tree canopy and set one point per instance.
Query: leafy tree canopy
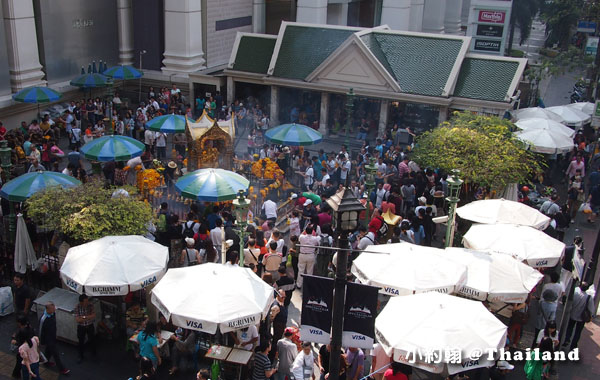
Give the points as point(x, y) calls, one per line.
point(88, 212)
point(483, 148)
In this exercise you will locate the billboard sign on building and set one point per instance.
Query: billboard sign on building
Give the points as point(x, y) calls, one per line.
point(488, 25)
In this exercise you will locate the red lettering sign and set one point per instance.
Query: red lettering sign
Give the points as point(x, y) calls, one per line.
point(496, 17)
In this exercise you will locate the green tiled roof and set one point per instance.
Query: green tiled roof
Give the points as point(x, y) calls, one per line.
point(254, 54)
point(420, 64)
point(477, 76)
point(303, 49)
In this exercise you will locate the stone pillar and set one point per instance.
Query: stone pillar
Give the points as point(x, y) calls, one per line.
point(324, 113)
point(464, 14)
point(259, 12)
point(183, 37)
point(434, 13)
point(384, 109)
point(125, 21)
point(396, 14)
point(452, 20)
point(274, 112)
point(312, 11)
point(416, 15)
point(230, 90)
point(22, 45)
point(337, 14)
point(443, 115)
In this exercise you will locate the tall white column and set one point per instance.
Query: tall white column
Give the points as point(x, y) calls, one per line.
point(337, 14)
point(125, 21)
point(396, 14)
point(312, 11)
point(464, 14)
point(324, 113)
point(259, 14)
point(230, 90)
point(274, 112)
point(416, 15)
point(383, 117)
point(183, 36)
point(452, 21)
point(22, 45)
point(434, 14)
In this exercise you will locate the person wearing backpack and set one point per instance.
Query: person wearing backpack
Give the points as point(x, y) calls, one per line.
point(190, 228)
point(190, 255)
point(582, 312)
point(377, 225)
point(324, 254)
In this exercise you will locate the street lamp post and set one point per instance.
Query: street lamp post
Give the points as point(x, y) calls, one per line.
point(347, 209)
point(370, 171)
point(142, 52)
point(454, 185)
point(6, 163)
point(241, 205)
point(349, 112)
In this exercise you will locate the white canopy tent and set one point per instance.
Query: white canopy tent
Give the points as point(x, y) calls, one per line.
point(207, 296)
point(571, 116)
point(24, 257)
point(545, 141)
point(114, 265)
point(501, 211)
point(429, 323)
point(402, 268)
point(524, 243)
point(545, 126)
point(535, 112)
point(494, 277)
point(585, 107)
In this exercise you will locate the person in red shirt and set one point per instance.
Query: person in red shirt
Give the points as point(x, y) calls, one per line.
point(395, 373)
point(2, 131)
point(376, 222)
point(325, 216)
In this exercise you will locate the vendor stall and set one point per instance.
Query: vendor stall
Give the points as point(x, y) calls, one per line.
point(66, 303)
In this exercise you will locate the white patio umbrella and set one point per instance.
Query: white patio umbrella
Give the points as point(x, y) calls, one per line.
point(430, 323)
point(402, 268)
point(114, 265)
point(545, 126)
point(585, 107)
point(501, 211)
point(207, 296)
point(24, 253)
point(524, 243)
point(571, 116)
point(536, 112)
point(545, 141)
point(494, 277)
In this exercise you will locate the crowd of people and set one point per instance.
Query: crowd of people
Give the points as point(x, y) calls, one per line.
point(281, 244)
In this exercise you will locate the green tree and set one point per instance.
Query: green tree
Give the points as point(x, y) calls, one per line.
point(561, 17)
point(89, 212)
point(522, 14)
point(483, 148)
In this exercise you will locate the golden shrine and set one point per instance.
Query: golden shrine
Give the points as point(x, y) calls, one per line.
point(210, 143)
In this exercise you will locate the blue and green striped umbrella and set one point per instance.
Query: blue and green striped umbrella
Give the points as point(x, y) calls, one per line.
point(294, 135)
point(123, 72)
point(211, 185)
point(90, 80)
point(112, 148)
point(167, 124)
point(37, 95)
point(24, 186)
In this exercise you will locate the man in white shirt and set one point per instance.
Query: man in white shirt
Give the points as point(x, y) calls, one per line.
point(149, 140)
point(306, 258)
point(161, 145)
point(309, 176)
point(346, 166)
point(380, 360)
point(246, 338)
point(366, 238)
point(154, 104)
point(380, 194)
point(216, 237)
point(270, 209)
point(303, 366)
